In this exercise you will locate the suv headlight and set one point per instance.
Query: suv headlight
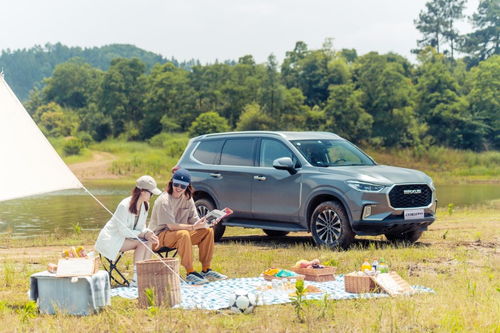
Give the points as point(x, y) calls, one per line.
point(365, 187)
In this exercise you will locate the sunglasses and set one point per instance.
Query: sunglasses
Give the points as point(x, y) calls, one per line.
point(180, 185)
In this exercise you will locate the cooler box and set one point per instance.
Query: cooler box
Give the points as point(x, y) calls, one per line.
point(84, 296)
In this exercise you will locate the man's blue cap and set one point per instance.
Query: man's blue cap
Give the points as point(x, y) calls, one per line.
point(182, 177)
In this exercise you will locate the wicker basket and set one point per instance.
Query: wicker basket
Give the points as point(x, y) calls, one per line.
point(161, 276)
point(317, 274)
point(359, 284)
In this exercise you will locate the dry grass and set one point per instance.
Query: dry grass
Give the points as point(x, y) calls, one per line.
point(458, 257)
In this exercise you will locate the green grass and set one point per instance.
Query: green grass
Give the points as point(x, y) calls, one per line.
point(461, 267)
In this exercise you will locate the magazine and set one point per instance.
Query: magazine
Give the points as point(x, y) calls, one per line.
point(215, 214)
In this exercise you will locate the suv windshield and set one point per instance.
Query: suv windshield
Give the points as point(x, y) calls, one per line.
point(326, 153)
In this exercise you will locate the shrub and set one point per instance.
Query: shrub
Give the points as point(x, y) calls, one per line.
point(208, 122)
point(72, 146)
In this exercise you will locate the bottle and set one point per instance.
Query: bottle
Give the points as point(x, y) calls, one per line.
point(382, 266)
point(366, 267)
point(374, 265)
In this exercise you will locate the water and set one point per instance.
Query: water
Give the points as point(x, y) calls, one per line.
point(60, 211)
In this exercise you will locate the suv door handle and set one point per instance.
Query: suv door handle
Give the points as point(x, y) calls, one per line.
point(259, 178)
point(215, 175)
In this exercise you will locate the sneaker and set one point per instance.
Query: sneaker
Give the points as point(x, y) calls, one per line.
point(196, 279)
point(211, 275)
point(132, 284)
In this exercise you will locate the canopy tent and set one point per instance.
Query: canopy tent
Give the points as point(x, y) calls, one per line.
point(29, 164)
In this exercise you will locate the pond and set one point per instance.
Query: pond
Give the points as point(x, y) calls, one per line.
point(61, 211)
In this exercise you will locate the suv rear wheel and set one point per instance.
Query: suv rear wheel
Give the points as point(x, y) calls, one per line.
point(275, 233)
point(410, 236)
point(330, 226)
point(203, 206)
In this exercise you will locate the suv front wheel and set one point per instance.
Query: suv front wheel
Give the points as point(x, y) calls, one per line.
point(203, 206)
point(330, 226)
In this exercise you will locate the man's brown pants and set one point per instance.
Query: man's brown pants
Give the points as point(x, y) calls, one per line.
point(183, 241)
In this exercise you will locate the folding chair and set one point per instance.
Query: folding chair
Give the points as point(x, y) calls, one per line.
point(164, 251)
point(111, 269)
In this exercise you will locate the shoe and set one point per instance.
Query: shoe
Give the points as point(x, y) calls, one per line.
point(132, 284)
point(211, 275)
point(195, 278)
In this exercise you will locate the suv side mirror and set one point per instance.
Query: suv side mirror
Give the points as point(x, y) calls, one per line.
point(285, 163)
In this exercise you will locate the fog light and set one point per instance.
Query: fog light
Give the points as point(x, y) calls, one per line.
point(367, 211)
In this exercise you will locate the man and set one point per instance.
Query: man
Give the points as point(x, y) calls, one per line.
point(176, 223)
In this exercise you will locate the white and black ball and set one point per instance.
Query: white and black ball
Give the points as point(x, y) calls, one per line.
point(242, 302)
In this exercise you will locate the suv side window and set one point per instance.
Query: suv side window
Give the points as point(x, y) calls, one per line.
point(271, 150)
point(208, 151)
point(238, 152)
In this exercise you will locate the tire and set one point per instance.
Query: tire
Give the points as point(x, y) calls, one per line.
point(407, 237)
point(203, 206)
point(275, 233)
point(330, 226)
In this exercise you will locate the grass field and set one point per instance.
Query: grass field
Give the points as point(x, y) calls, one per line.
point(458, 257)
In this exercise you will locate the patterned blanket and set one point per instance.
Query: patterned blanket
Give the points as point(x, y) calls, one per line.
point(215, 295)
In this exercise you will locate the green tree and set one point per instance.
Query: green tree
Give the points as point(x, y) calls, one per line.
point(345, 115)
point(484, 41)
point(54, 121)
point(437, 23)
point(484, 97)
point(208, 122)
point(73, 84)
point(271, 91)
point(168, 94)
point(442, 108)
point(252, 119)
point(388, 95)
point(122, 93)
point(290, 69)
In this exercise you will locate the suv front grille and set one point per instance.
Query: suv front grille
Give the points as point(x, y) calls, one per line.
point(412, 195)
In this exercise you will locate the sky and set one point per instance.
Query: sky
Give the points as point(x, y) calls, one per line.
point(211, 30)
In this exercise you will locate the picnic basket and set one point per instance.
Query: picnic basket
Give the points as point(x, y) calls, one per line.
point(162, 277)
point(316, 274)
point(358, 284)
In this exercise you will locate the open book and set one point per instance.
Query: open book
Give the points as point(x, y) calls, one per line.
point(215, 214)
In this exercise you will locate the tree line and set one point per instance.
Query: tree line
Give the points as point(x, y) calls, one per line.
point(378, 99)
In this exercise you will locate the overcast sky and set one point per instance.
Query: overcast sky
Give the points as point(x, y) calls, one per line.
point(215, 29)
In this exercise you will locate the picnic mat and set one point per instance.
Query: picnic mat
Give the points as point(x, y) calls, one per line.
point(215, 295)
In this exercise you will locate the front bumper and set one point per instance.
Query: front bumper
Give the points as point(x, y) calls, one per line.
point(391, 224)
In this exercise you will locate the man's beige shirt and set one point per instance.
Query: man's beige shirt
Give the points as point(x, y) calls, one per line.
point(170, 210)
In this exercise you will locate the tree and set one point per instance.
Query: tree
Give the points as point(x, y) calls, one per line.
point(271, 91)
point(73, 84)
point(252, 119)
point(54, 121)
point(442, 108)
point(484, 41)
point(345, 115)
point(437, 23)
point(484, 97)
point(208, 122)
point(388, 95)
point(168, 94)
point(122, 93)
point(289, 68)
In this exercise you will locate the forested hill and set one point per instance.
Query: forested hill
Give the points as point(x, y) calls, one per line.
point(26, 68)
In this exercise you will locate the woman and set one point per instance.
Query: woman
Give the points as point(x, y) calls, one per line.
point(176, 222)
point(128, 223)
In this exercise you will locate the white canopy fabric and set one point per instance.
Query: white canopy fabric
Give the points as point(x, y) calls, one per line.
point(29, 164)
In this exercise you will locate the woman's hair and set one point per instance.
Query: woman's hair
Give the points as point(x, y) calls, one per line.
point(188, 193)
point(136, 192)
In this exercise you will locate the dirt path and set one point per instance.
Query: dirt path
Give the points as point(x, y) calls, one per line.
point(97, 168)
point(50, 252)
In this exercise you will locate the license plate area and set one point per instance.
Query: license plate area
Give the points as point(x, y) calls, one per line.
point(414, 214)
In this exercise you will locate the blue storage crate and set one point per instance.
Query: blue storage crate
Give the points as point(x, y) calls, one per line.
point(84, 296)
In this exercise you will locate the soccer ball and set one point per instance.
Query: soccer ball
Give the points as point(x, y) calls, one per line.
point(242, 302)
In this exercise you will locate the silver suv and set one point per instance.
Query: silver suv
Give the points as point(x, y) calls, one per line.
point(307, 181)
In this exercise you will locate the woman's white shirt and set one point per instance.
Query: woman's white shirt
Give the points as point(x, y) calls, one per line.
point(119, 227)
